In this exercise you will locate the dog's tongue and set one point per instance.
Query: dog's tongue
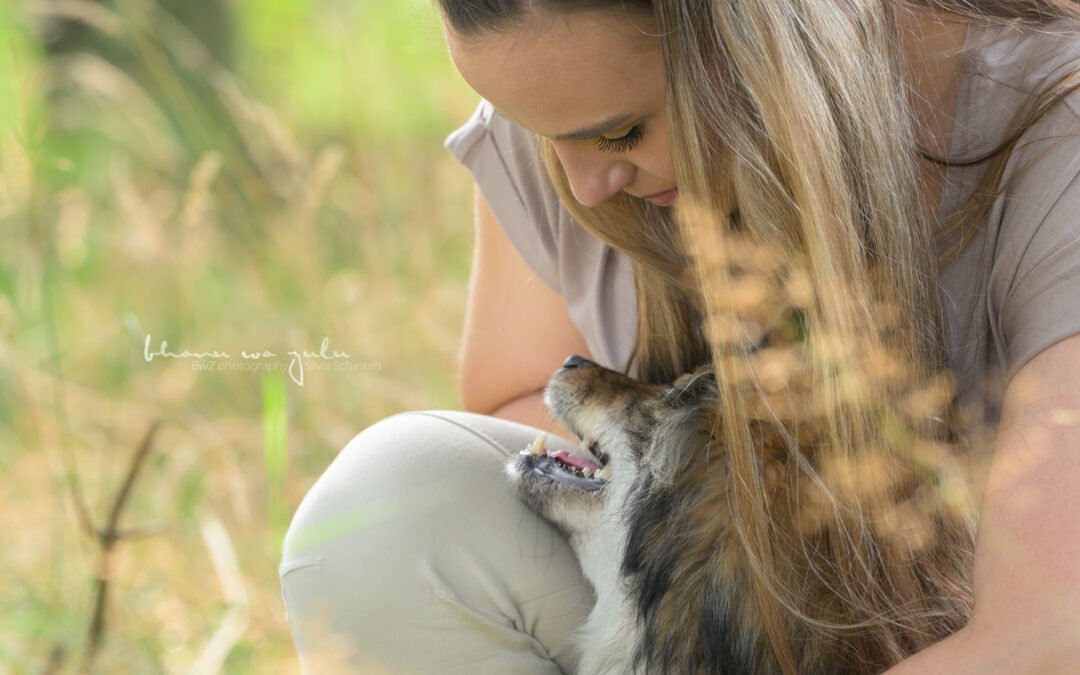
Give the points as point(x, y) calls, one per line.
point(575, 461)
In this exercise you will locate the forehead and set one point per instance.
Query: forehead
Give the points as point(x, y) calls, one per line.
point(560, 72)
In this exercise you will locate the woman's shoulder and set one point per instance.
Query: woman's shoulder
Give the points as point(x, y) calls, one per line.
point(1008, 65)
point(1009, 68)
point(1035, 273)
point(504, 161)
point(489, 138)
point(595, 281)
point(1022, 57)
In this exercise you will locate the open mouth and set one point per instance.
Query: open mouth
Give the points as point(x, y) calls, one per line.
point(586, 469)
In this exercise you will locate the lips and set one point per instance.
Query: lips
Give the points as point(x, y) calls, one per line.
point(664, 198)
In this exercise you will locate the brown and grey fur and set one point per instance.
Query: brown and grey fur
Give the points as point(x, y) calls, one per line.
point(655, 540)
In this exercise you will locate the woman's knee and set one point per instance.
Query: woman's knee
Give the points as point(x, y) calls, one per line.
point(415, 518)
point(411, 469)
point(399, 464)
point(370, 465)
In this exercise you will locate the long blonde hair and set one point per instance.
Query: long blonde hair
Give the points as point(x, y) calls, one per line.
point(789, 128)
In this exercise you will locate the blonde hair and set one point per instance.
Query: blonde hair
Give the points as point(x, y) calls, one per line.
point(789, 129)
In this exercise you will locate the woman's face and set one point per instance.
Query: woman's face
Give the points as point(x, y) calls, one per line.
point(591, 82)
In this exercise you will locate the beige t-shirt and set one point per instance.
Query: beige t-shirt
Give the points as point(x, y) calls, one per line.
point(1013, 291)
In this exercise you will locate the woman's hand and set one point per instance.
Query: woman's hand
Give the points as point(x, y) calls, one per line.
point(1027, 556)
point(517, 332)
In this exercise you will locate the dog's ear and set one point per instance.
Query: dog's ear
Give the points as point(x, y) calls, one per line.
point(696, 385)
point(686, 427)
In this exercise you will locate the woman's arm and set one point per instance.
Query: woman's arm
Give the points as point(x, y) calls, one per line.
point(1027, 557)
point(517, 332)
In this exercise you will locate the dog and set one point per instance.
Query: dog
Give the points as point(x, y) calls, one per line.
point(643, 501)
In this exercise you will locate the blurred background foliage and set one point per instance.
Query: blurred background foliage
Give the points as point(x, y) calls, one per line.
point(223, 175)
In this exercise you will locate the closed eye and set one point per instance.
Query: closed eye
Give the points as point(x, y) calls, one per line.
point(624, 143)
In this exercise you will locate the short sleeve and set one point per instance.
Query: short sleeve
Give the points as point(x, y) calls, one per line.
point(1035, 280)
point(504, 161)
point(595, 281)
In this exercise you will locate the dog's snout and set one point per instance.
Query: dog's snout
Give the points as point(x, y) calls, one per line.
point(576, 361)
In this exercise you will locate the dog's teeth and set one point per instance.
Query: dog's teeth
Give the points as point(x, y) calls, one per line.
point(537, 446)
point(587, 472)
point(604, 473)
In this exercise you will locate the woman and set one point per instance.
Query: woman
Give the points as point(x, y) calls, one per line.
point(936, 140)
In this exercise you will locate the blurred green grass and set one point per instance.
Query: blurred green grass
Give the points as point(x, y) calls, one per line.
point(261, 183)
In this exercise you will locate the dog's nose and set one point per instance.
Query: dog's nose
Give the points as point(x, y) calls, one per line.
point(576, 361)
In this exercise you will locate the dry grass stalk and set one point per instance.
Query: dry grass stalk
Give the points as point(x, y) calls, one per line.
point(107, 538)
point(236, 619)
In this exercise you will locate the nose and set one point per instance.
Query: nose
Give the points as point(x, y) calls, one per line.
point(594, 178)
point(576, 361)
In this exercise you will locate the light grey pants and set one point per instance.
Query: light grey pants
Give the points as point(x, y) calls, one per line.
point(411, 554)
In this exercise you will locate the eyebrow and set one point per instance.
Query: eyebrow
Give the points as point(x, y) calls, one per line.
point(595, 130)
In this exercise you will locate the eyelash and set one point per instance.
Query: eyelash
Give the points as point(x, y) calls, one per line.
point(622, 144)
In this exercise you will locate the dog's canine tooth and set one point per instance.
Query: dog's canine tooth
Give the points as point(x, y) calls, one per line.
point(537, 446)
point(587, 472)
point(604, 473)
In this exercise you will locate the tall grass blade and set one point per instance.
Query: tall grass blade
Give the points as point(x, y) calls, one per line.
point(275, 453)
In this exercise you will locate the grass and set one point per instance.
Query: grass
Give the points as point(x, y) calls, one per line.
point(288, 190)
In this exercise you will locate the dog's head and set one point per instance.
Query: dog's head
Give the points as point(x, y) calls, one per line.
point(637, 441)
point(628, 429)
